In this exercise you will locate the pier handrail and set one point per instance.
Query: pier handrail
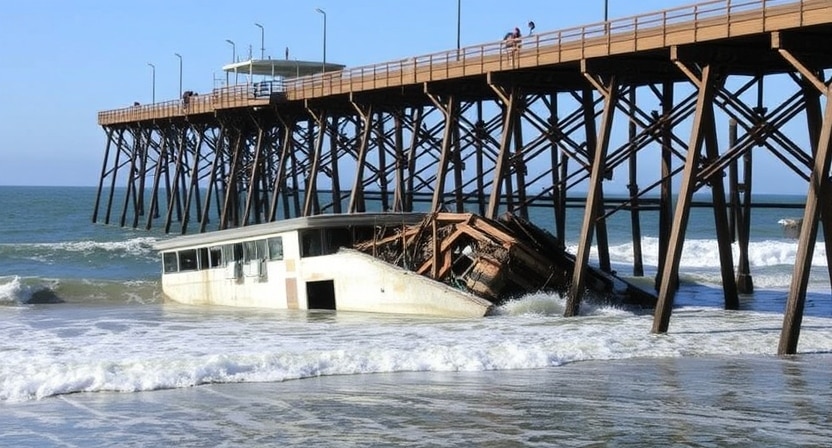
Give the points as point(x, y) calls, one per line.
point(654, 22)
point(470, 60)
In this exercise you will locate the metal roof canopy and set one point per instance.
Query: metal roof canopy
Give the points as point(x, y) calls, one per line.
point(284, 68)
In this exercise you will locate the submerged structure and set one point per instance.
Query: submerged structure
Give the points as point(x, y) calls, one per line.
point(494, 259)
point(440, 264)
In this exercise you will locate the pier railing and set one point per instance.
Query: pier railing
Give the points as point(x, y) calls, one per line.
point(239, 95)
point(687, 24)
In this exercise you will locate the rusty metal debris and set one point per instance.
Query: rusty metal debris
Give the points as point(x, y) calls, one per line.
point(493, 259)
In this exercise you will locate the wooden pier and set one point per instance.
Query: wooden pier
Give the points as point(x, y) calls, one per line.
point(507, 126)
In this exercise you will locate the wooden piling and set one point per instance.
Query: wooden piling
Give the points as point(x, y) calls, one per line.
point(704, 104)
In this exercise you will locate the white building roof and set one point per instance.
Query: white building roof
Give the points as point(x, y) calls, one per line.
point(283, 68)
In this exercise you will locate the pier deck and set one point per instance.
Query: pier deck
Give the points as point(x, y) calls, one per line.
point(650, 35)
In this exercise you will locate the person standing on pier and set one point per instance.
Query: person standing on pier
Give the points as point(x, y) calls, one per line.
point(511, 41)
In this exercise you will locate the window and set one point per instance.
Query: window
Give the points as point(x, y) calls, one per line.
point(336, 239)
point(276, 248)
point(232, 252)
point(262, 249)
point(203, 257)
point(187, 260)
point(310, 243)
point(227, 254)
point(249, 250)
point(255, 250)
point(215, 257)
point(169, 263)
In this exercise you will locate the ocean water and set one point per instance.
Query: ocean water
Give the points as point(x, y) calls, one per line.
point(93, 356)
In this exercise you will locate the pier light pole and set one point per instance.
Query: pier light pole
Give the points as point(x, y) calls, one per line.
point(323, 67)
point(233, 51)
point(233, 60)
point(180, 73)
point(606, 16)
point(262, 40)
point(458, 23)
point(153, 68)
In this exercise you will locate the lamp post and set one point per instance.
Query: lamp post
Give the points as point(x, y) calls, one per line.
point(323, 67)
point(180, 73)
point(153, 68)
point(458, 24)
point(262, 41)
point(606, 16)
point(233, 51)
point(233, 60)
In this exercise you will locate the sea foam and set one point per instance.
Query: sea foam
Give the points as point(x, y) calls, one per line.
point(142, 246)
point(189, 347)
point(705, 253)
point(13, 291)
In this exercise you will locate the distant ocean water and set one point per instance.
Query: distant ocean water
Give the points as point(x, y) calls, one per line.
point(93, 356)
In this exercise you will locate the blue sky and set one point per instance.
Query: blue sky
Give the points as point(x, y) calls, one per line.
point(67, 60)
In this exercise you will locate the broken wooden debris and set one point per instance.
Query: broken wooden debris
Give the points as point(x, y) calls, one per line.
point(493, 259)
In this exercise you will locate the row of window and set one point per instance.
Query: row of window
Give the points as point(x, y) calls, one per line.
point(313, 242)
point(220, 256)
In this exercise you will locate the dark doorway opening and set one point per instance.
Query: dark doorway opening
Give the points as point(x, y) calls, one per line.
point(320, 295)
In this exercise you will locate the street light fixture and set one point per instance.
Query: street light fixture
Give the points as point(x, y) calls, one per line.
point(233, 51)
point(262, 41)
point(458, 24)
point(606, 16)
point(323, 67)
point(180, 73)
point(233, 60)
point(153, 67)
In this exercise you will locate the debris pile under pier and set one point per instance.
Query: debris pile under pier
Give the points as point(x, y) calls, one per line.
point(495, 260)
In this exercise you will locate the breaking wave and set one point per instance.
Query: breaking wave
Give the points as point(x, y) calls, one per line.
point(705, 253)
point(135, 247)
point(16, 290)
point(130, 353)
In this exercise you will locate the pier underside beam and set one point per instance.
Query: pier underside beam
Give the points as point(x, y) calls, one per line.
point(256, 174)
point(228, 216)
point(510, 111)
point(716, 182)
point(310, 203)
point(740, 197)
point(161, 166)
point(592, 142)
point(705, 83)
point(135, 152)
point(817, 201)
point(176, 195)
point(213, 176)
point(112, 172)
point(193, 194)
point(365, 114)
point(449, 107)
point(632, 189)
point(279, 186)
point(103, 174)
point(594, 202)
point(666, 189)
point(400, 163)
